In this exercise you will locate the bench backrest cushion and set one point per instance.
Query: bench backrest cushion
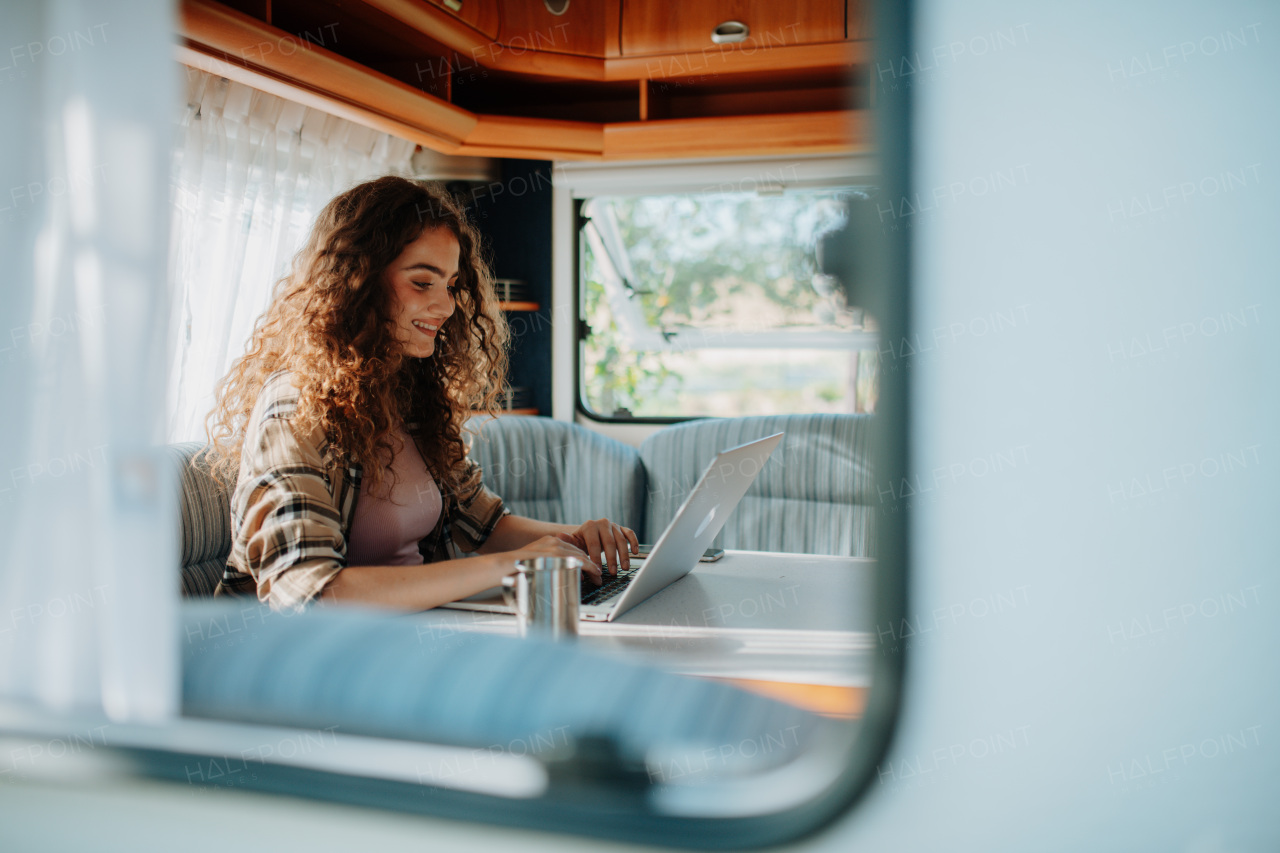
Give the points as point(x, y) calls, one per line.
point(560, 472)
point(205, 518)
point(814, 496)
point(542, 469)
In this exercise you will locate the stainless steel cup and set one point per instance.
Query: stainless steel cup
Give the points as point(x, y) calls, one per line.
point(545, 593)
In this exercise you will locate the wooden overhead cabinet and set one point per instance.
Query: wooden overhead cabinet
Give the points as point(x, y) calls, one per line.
point(651, 27)
point(480, 15)
point(581, 28)
point(606, 79)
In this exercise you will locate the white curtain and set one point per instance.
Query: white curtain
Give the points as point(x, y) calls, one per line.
point(251, 172)
point(88, 543)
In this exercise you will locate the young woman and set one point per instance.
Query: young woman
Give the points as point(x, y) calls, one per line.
point(342, 424)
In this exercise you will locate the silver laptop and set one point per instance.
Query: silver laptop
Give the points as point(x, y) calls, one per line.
point(677, 550)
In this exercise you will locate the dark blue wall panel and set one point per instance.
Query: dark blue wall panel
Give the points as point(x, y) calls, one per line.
point(514, 215)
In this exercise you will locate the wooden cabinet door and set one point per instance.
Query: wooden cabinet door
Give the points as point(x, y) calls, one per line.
point(582, 29)
point(481, 15)
point(660, 26)
point(857, 19)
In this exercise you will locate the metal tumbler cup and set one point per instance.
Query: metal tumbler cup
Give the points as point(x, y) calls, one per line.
point(545, 593)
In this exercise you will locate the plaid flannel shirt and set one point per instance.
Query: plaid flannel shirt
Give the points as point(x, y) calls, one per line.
point(292, 508)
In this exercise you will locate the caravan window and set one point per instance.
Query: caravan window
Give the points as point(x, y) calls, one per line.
point(714, 303)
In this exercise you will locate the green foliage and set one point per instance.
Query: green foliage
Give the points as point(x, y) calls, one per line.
point(722, 262)
point(617, 376)
point(694, 257)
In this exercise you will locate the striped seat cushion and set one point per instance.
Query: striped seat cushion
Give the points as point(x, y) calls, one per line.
point(205, 519)
point(814, 496)
point(560, 472)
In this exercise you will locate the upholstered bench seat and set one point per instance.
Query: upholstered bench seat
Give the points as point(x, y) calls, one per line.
point(815, 495)
point(205, 518)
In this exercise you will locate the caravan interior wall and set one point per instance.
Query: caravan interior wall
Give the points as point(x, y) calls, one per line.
point(1095, 361)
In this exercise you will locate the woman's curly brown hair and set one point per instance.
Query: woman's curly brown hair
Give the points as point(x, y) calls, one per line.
point(330, 324)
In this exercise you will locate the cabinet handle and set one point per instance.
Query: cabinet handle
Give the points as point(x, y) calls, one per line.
point(730, 32)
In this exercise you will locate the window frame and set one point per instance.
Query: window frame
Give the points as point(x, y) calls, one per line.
point(586, 181)
point(580, 407)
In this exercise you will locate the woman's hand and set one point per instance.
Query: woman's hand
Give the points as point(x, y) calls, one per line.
point(599, 542)
point(609, 544)
point(557, 545)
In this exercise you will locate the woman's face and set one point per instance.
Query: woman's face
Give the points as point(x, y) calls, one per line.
point(423, 280)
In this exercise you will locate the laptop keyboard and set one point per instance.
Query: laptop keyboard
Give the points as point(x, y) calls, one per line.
point(613, 584)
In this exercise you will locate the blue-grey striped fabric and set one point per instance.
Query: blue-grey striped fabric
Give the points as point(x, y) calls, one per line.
point(367, 673)
point(559, 472)
point(814, 496)
point(205, 518)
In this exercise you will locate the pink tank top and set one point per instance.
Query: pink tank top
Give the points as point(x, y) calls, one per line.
point(386, 529)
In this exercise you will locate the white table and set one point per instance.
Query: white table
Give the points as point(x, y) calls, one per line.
point(758, 616)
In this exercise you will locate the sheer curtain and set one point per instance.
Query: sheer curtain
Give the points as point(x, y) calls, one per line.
point(251, 172)
point(88, 541)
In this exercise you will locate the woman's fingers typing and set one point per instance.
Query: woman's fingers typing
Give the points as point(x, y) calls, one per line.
point(610, 544)
point(632, 542)
point(619, 547)
point(596, 546)
point(600, 544)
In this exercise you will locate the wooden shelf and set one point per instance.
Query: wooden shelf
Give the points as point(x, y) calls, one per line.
point(519, 306)
point(817, 133)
